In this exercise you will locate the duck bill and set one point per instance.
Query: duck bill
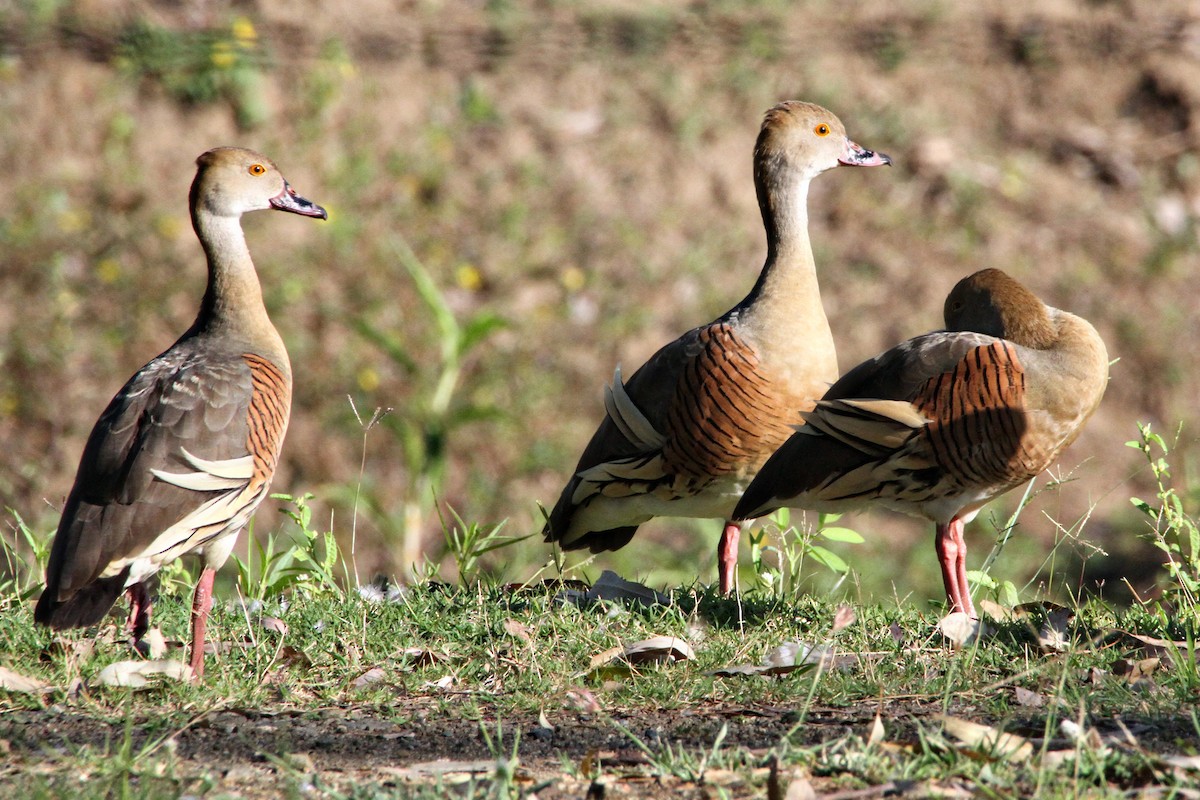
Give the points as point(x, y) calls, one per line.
point(288, 200)
point(858, 156)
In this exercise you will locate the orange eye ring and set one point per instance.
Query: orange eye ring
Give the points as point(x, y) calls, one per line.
point(257, 169)
point(821, 130)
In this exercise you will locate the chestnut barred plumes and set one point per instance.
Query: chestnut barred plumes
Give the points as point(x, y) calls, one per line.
point(185, 452)
point(941, 424)
point(691, 427)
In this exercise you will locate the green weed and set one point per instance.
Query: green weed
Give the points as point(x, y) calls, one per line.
point(1173, 527)
point(200, 67)
point(439, 409)
point(303, 563)
point(779, 566)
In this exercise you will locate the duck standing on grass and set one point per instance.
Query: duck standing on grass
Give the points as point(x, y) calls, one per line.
point(687, 432)
point(938, 426)
point(185, 452)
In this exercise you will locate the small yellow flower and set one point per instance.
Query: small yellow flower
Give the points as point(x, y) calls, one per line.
point(573, 279)
point(244, 33)
point(368, 379)
point(108, 270)
point(73, 220)
point(168, 226)
point(469, 277)
point(222, 55)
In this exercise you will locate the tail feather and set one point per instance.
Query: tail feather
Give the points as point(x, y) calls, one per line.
point(85, 607)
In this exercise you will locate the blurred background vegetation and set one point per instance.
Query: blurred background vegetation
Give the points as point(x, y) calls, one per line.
point(524, 194)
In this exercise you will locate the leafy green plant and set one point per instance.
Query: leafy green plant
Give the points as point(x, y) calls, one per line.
point(439, 410)
point(467, 543)
point(1173, 527)
point(782, 578)
point(198, 67)
point(24, 559)
point(305, 564)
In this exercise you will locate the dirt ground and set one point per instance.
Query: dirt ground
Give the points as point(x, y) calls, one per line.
point(258, 753)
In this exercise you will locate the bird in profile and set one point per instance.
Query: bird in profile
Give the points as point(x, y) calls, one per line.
point(690, 428)
point(939, 425)
point(186, 450)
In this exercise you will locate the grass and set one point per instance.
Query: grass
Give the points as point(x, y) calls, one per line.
point(503, 675)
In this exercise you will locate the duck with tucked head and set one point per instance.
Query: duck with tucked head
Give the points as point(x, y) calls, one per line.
point(939, 425)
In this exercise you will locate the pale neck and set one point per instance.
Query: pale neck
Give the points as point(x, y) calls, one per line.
point(783, 316)
point(233, 299)
point(789, 275)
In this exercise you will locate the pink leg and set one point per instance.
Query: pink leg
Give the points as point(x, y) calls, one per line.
point(139, 612)
point(201, 604)
point(952, 554)
point(727, 554)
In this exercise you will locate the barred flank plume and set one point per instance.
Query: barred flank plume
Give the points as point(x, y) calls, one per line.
point(270, 405)
point(726, 416)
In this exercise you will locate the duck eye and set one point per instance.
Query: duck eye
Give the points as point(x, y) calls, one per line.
point(257, 169)
point(821, 130)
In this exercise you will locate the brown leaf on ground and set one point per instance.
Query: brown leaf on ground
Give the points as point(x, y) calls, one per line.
point(294, 657)
point(518, 630)
point(136, 674)
point(789, 657)
point(1136, 672)
point(960, 628)
point(995, 610)
point(986, 739)
point(844, 618)
point(420, 657)
point(658, 650)
point(373, 675)
point(15, 682)
point(611, 586)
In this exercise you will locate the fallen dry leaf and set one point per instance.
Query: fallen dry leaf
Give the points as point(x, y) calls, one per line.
point(789, 657)
point(611, 586)
point(518, 630)
point(15, 682)
point(960, 628)
point(274, 624)
point(1160, 647)
point(135, 674)
point(155, 644)
point(373, 675)
point(843, 618)
point(659, 650)
point(443, 683)
point(1054, 633)
point(1009, 746)
point(420, 657)
point(294, 657)
point(995, 610)
point(877, 733)
point(1136, 672)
